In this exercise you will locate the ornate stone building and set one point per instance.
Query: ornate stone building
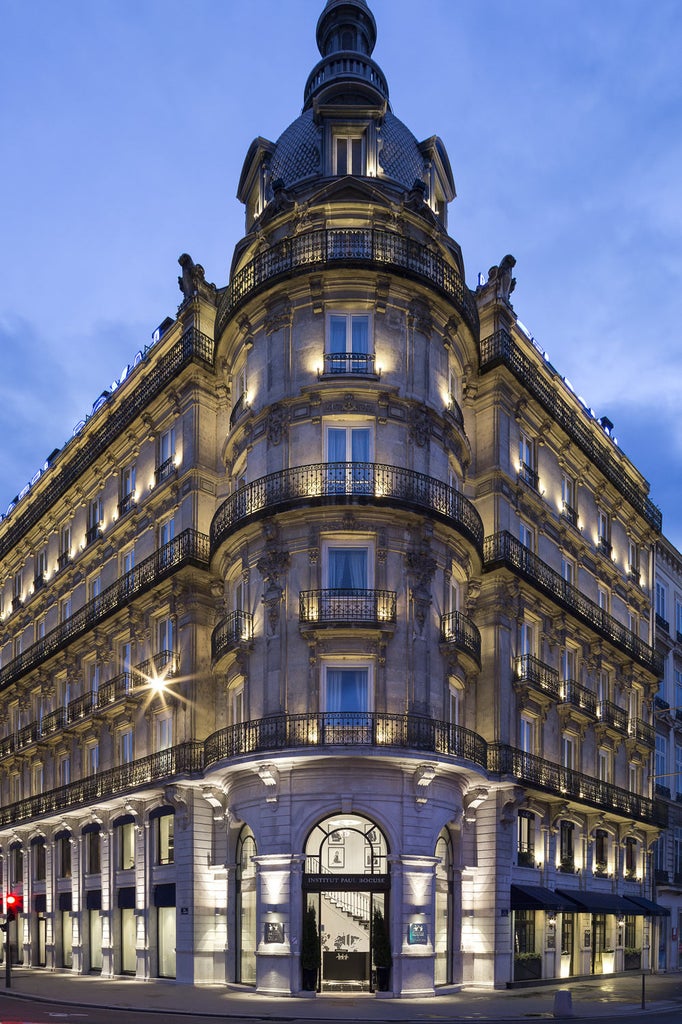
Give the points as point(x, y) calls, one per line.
point(340, 600)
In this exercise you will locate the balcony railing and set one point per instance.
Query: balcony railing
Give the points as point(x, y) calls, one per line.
point(569, 513)
point(189, 548)
point(359, 729)
point(642, 732)
point(192, 347)
point(358, 364)
point(126, 504)
point(462, 634)
point(231, 632)
point(335, 483)
point(53, 721)
point(529, 669)
point(93, 533)
point(372, 248)
point(344, 606)
point(238, 409)
point(164, 470)
point(567, 783)
point(578, 697)
point(350, 66)
point(662, 624)
point(610, 714)
point(504, 550)
point(528, 475)
point(500, 348)
point(185, 759)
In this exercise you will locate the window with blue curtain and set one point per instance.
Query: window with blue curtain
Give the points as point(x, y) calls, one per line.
point(347, 691)
point(347, 569)
point(348, 342)
point(348, 452)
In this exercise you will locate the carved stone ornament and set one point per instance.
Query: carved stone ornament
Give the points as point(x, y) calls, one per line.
point(273, 565)
point(276, 424)
point(419, 426)
point(420, 318)
point(278, 317)
point(501, 278)
point(192, 280)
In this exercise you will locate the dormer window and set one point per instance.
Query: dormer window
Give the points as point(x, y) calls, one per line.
point(349, 153)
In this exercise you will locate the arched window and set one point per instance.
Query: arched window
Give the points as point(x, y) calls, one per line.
point(246, 907)
point(442, 941)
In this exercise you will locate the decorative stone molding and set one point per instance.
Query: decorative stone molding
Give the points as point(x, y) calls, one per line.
point(423, 777)
point(269, 776)
point(277, 424)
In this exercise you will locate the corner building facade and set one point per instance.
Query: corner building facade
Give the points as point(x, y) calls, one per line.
point(340, 600)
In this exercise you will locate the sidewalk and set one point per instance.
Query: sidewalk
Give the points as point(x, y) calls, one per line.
point(602, 997)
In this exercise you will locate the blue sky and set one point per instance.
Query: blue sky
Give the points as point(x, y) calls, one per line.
point(125, 123)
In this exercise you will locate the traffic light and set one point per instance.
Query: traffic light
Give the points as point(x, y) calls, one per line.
point(13, 905)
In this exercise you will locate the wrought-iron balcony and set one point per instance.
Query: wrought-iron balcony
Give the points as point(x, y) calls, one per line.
point(578, 697)
point(604, 546)
point(634, 575)
point(551, 777)
point(346, 729)
point(184, 760)
point(7, 745)
point(536, 674)
point(610, 714)
point(569, 513)
point(192, 347)
point(115, 689)
point(459, 632)
point(642, 732)
point(362, 248)
point(238, 409)
point(545, 386)
point(503, 550)
point(53, 721)
point(347, 607)
point(126, 504)
point(231, 633)
point(164, 470)
point(340, 483)
point(17, 602)
point(93, 533)
point(349, 364)
point(27, 734)
point(81, 707)
point(662, 624)
point(189, 548)
point(345, 66)
point(528, 475)
point(38, 582)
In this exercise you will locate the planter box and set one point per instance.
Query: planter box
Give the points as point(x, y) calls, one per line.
point(528, 970)
point(632, 962)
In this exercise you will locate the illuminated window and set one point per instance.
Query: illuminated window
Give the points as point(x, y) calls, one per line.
point(165, 839)
point(601, 851)
point(527, 467)
point(567, 846)
point(95, 519)
point(527, 639)
point(92, 758)
point(661, 602)
point(65, 609)
point(348, 344)
point(127, 495)
point(568, 751)
point(64, 546)
point(604, 762)
point(40, 569)
point(568, 570)
point(37, 779)
point(568, 503)
point(527, 734)
point(630, 857)
point(526, 535)
point(603, 532)
point(165, 456)
point(165, 635)
point(349, 454)
point(163, 727)
point(63, 851)
point(633, 561)
point(603, 599)
point(125, 746)
point(64, 770)
point(525, 854)
point(237, 705)
point(126, 845)
point(93, 863)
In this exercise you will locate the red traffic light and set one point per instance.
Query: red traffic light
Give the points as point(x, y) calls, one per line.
point(12, 901)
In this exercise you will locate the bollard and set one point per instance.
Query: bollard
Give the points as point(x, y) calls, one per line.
point(563, 1003)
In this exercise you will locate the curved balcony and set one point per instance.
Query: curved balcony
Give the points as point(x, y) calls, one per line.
point(231, 633)
point(461, 634)
point(364, 248)
point(344, 67)
point(503, 550)
point(345, 483)
point(346, 729)
point(327, 609)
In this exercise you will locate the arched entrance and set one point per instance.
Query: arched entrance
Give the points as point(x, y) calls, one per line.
point(346, 880)
point(245, 919)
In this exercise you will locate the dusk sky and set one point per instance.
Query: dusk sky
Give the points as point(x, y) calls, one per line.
point(125, 124)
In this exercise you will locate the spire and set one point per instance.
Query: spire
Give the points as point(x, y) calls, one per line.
point(346, 35)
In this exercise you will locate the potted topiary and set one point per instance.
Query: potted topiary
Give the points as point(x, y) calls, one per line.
point(527, 966)
point(310, 951)
point(381, 950)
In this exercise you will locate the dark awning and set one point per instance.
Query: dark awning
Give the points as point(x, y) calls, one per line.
point(597, 902)
point(536, 897)
point(164, 895)
point(93, 899)
point(646, 907)
point(40, 903)
point(126, 898)
point(64, 901)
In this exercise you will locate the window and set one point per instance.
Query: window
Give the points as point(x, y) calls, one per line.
point(164, 730)
point(240, 393)
point(126, 845)
point(93, 675)
point(634, 778)
point(527, 640)
point(603, 685)
point(165, 834)
point(165, 635)
point(349, 153)
point(633, 561)
point(95, 519)
point(40, 628)
point(677, 853)
point(661, 604)
point(568, 503)
point(127, 498)
point(568, 570)
point(40, 569)
point(93, 852)
point(94, 586)
point(630, 857)
point(37, 779)
point(348, 344)
point(65, 609)
point(569, 660)
point(678, 689)
point(454, 704)
point(567, 846)
point(661, 761)
point(64, 770)
point(16, 866)
point(601, 848)
point(526, 535)
point(63, 850)
point(39, 866)
point(64, 546)
point(678, 619)
point(165, 465)
point(166, 538)
point(127, 561)
point(527, 471)
point(603, 532)
point(568, 747)
point(347, 697)
point(238, 713)
point(347, 570)
point(604, 761)
point(603, 599)
point(524, 931)
point(349, 454)
point(125, 662)
point(92, 758)
point(527, 731)
point(125, 746)
point(526, 840)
